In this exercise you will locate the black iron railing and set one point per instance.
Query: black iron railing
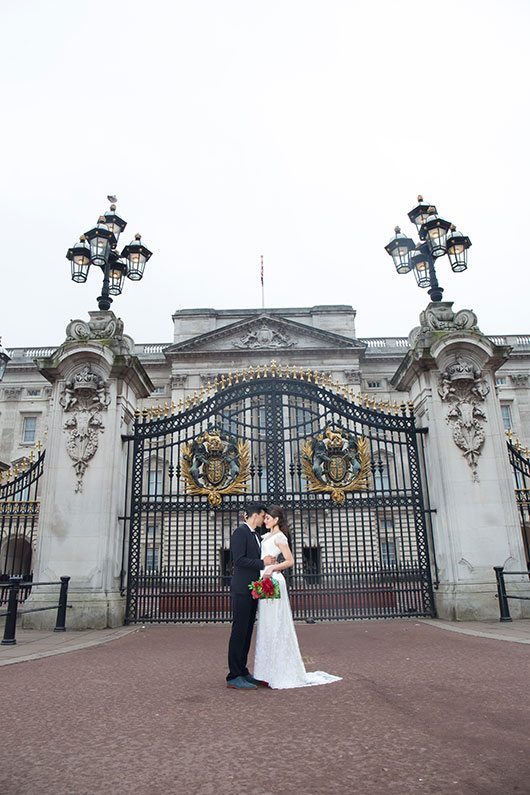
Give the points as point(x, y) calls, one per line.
point(202, 594)
point(12, 612)
point(504, 607)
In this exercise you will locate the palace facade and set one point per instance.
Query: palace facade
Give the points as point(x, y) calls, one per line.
point(208, 344)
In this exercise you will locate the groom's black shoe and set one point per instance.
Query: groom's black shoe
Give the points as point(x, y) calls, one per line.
point(256, 682)
point(241, 683)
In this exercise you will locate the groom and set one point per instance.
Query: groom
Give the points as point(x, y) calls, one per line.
point(245, 551)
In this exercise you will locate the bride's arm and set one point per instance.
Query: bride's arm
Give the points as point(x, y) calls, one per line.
point(288, 560)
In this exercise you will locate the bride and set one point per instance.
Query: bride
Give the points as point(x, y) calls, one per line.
point(278, 660)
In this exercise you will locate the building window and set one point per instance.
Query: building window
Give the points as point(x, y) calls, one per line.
point(150, 534)
point(226, 566)
point(159, 390)
point(33, 392)
point(29, 430)
point(388, 553)
point(374, 384)
point(506, 416)
point(500, 380)
point(381, 474)
point(311, 564)
point(154, 482)
point(152, 558)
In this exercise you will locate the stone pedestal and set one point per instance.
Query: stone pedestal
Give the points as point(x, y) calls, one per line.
point(97, 382)
point(449, 373)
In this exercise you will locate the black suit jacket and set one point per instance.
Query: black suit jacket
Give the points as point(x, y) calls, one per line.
point(247, 564)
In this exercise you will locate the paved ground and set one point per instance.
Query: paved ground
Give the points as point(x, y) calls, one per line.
point(418, 710)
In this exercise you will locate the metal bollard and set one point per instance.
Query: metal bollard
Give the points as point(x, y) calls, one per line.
point(61, 610)
point(11, 618)
point(501, 591)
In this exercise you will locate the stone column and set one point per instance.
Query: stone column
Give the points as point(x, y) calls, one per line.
point(449, 373)
point(97, 382)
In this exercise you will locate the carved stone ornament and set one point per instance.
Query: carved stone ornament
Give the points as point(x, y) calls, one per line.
point(84, 397)
point(463, 388)
point(519, 379)
point(101, 326)
point(353, 376)
point(215, 463)
point(264, 336)
point(336, 461)
point(12, 393)
point(440, 317)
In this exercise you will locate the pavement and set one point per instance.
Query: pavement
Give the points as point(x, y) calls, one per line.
point(423, 707)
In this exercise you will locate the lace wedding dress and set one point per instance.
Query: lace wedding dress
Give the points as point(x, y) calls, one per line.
point(278, 660)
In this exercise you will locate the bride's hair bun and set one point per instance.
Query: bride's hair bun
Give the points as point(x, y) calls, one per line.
point(278, 513)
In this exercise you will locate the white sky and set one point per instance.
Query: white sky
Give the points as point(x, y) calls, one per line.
point(297, 129)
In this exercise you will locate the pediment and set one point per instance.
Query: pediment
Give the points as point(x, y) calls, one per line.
point(264, 333)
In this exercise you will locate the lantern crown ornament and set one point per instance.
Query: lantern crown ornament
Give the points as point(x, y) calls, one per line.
point(99, 246)
point(437, 238)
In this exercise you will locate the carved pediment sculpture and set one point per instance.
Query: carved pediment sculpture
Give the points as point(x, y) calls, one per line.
point(84, 397)
point(264, 336)
point(464, 389)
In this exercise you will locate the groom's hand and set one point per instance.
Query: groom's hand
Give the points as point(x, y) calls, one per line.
point(269, 560)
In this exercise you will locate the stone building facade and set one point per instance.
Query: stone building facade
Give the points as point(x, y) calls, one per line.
point(208, 343)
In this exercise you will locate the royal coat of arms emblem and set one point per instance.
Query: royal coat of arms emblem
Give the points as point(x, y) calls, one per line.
point(336, 461)
point(215, 463)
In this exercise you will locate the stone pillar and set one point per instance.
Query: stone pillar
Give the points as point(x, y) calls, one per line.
point(96, 383)
point(449, 373)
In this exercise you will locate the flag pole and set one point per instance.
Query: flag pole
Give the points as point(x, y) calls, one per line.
point(262, 286)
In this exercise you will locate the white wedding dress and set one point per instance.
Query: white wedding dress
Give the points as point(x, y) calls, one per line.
point(278, 660)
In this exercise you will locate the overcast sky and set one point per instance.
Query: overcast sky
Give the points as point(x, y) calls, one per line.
point(298, 129)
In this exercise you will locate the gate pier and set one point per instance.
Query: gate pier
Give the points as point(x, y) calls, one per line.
point(96, 382)
point(449, 373)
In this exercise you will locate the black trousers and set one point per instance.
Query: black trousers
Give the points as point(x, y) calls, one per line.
point(244, 609)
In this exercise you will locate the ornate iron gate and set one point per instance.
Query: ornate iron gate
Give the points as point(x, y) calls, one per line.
point(520, 460)
point(19, 514)
point(347, 473)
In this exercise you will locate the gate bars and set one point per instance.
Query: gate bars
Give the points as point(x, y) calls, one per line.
point(359, 551)
point(520, 461)
point(19, 513)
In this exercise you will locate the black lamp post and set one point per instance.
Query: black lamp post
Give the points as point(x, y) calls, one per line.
point(4, 359)
point(98, 247)
point(438, 237)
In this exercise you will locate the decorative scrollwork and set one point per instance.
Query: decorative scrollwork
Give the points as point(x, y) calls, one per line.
point(214, 464)
point(463, 388)
point(336, 461)
point(85, 395)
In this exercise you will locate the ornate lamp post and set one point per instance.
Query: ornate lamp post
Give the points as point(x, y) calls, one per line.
point(438, 237)
point(4, 359)
point(98, 247)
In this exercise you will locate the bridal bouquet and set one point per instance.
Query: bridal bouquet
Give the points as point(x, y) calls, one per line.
point(265, 588)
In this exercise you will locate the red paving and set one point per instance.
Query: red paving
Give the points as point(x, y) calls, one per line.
point(419, 711)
